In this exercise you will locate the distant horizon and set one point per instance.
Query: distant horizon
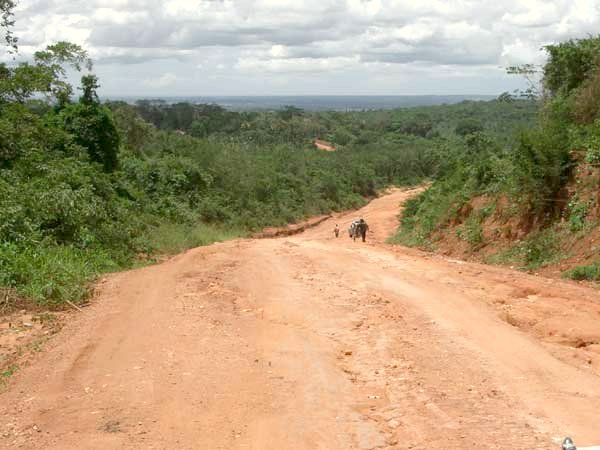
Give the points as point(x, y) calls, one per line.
point(293, 95)
point(324, 102)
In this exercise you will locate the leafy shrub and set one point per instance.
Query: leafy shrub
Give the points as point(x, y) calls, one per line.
point(570, 63)
point(512, 255)
point(540, 249)
point(587, 137)
point(590, 272)
point(537, 250)
point(577, 212)
point(472, 231)
point(541, 167)
point(587, 100)
point(93, 128)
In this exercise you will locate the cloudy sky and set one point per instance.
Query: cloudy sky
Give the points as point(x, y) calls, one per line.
point(297, 47)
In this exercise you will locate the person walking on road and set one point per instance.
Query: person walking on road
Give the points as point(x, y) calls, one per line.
point(361, 229)
point(336, 230)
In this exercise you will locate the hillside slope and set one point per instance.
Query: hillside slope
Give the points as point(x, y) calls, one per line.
point(536, 204)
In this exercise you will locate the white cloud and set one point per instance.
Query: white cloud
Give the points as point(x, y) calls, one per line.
point(279, 51)
point(297, 65)
point(166, 80)
point(536, 13)
point(521, 52)
point(113, 16)
point(169, 40)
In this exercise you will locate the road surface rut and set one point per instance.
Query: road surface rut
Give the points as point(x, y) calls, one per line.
point(311, 342)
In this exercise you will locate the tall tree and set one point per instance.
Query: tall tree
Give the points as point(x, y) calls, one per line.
point(92, 125)
point(45, 76)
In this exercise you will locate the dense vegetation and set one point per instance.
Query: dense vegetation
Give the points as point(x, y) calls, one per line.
point(87, 187)
point(533, 179)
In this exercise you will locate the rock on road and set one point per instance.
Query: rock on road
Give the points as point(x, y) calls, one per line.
point(310, 342)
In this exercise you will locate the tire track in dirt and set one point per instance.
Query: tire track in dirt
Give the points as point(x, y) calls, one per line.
point(392, 353)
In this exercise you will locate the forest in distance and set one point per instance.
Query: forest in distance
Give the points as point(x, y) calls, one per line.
point(342, 103)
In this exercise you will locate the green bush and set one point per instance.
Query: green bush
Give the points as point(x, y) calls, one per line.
point(570, 63)
point(540, 249)
point(587, 100)
point(587, 137)
point(472, 231)
point(591, 272)
point(577, 213)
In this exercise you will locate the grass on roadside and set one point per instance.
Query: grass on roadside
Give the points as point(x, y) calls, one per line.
point(7, 373)
point(48, 275)
point(51, 274)
point(170, 238)
point(590, 272)
point(537, 250)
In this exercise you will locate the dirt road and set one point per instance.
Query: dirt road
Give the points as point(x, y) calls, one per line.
point(311, 342)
